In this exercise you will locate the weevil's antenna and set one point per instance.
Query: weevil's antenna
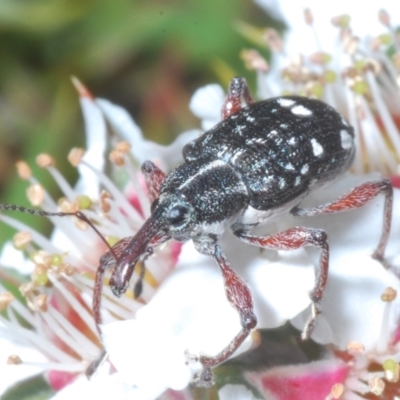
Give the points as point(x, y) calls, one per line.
point(40, 213)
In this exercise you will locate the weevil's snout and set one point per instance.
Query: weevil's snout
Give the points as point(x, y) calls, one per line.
point(125, 264)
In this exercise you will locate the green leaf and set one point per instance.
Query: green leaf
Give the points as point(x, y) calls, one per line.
point(34, 388)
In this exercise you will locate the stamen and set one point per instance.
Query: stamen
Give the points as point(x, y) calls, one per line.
point(75, 156)
point(21, 240)
point(45, 160)
point(355, 347)
point(5, 299)
point(377, 385)
point(14, 360)
point(35, 194)
point(336, 392)
point(23, 170)
point(133, 215)
point(392, 370)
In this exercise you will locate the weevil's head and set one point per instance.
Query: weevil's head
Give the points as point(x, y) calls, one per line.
point(196, 200)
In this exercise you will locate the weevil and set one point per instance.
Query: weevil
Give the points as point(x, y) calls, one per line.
point(253, 167)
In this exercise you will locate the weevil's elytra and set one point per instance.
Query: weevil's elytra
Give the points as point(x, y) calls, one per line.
point(257, 164)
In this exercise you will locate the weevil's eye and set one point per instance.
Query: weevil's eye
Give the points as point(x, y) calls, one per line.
point(177, 215)
point(154, 204)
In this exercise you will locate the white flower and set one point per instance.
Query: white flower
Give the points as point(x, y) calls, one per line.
point(57, 320)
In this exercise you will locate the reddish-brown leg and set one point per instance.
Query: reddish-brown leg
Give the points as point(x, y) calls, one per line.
point(239, 296)
point(238, 92)
point(295, 238)
point(356, 198)
point(154, 178)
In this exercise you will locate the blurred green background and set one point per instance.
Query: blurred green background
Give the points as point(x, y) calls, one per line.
point(148, 56)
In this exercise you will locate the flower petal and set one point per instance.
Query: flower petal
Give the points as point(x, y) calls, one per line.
point(313, 381)
point(206, 103)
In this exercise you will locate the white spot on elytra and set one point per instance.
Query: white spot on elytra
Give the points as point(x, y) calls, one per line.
point(285, 102)
point(346, 140)
point(236, 155)
point(283, 125)
point(282, 183)
point(289, 167)
point(297, 181)
point(250, 119)
point(304, 169)
point(301, 110)
point(317, 148)
point(292, 140)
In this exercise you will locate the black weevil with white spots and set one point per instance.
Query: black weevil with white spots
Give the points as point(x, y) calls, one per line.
point(255, 166)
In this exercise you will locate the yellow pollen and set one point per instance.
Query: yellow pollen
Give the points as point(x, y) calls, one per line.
point(341, 21)
point(125, 147)
point(330, 76)
point(320, 58)
point(376, 385)
point(67, 269)
point(392, 370)
point(84, 202)
point(41, 257)
point(117, 157)
point(45, 160)
point(21, 240)
point(14, 360)
point(40, 302)
point(35, 194)
point(253, 60)
point(5, 299)
point(75, 156)
point(336, 391)
point(65, 205)
point(39, 275)
point(26, 288)
point(104, 203)
point(355, 347)
point(23, 170)
point(56, 260)
point(389, 294)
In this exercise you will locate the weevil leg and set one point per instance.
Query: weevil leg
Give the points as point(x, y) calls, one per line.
point(238, 92)
point(107, 261)
point(295, 238)
point(154, 178)
point(239, 296)
point(358, 197)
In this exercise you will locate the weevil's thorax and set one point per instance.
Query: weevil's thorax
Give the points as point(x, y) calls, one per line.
point(205, 196)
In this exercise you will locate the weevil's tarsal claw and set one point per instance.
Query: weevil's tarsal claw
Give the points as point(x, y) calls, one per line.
point(125, 264)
